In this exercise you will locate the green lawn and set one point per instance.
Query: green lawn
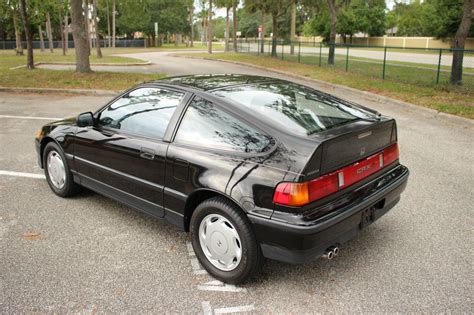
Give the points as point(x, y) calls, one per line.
point(407, 84)
point(44, 78)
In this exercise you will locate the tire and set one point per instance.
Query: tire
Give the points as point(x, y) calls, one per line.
point(230, 227)
point(65, 187)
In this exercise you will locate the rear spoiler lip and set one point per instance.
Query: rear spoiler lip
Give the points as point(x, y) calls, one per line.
point(306, 174)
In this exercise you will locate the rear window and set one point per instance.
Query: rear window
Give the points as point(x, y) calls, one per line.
point(294, 107)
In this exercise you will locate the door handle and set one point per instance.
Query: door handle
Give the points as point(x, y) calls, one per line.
point(146, 153)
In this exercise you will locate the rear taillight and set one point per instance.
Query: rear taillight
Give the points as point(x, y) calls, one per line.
point(299, 194)
point(390, 154)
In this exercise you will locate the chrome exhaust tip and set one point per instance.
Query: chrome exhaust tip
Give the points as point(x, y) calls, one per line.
point(335, 251)
point(329, 255)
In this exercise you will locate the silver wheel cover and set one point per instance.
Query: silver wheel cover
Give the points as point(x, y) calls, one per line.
point(220, 242)
point(56, 169)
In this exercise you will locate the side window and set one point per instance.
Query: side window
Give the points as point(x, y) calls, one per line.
point(145, 111)
point(205, 125)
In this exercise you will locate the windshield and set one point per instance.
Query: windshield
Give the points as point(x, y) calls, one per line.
point(294, 107)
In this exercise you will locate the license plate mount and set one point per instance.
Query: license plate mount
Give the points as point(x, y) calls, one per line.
point(368, 216)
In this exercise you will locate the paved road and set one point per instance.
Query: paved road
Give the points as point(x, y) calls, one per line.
point(164, 62)
point(91, 254)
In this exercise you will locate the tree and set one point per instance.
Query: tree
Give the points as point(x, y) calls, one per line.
point(114, 13)
point(191, 22)
point(333, 8)
point(96, 29)
point(49, 31)
point(277, 9)
point(80, 37)
point(29, 38)
point(293, 26)
point(19, 47)
point(227, 4)
point(209, 28)
point(264, 7)
point(234, 24)
point(459, 41)
point(59, 7)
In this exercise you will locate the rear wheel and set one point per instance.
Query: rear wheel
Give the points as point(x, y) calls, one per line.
point(56, 169)
point(224, 242)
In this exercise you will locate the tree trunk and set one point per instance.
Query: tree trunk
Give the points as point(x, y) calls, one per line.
point(262, 43)
point(49, 32)
point(80, 37)
point(113, 23)
point(66, 34)
point(332, 34)
point(96, 31)
point(40, 32)
point(29, 39)
point(108, 26)
point(209, 28)
point(234, 24)
point(274, 37)
point(88, 24)
point(19, 47)
point(61, 31)
point(226, 45)
point(191, 13)
point(293, 26)
point(459, 41)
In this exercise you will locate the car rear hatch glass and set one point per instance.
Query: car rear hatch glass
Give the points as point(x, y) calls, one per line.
point(295, 108)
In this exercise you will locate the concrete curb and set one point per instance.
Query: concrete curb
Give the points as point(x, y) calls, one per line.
point(372, 96)
point(60, 91)
point(92, 64)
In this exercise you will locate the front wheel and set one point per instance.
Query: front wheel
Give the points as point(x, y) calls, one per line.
point(57, 171)
point(224, 242)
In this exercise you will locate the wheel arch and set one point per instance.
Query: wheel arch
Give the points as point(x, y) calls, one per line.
point(44, 142)
point(199, 196)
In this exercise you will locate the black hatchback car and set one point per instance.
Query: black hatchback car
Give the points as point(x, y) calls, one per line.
point(251, 166)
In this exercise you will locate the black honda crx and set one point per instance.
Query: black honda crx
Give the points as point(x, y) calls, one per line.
point(251, 166)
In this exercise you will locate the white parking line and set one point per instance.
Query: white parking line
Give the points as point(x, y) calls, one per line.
point(21, 174)
point(217, 285)
point(197, 268)
point(29, 117)
point(235, 309)
point(207, 309)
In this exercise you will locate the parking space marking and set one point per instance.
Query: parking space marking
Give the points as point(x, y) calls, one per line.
point(21, 174)
point(197, 268)
point(29, 117)
point(235, 309)
point(217, 285)
point(207, 309)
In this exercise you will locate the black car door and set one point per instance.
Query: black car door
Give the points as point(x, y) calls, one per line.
point(123, 154)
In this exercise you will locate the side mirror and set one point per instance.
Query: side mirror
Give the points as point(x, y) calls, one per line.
point(85, 119)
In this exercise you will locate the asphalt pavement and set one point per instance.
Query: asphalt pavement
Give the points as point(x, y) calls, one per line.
point(91, 254)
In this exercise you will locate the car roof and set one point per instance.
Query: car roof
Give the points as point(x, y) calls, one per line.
point(207, 82)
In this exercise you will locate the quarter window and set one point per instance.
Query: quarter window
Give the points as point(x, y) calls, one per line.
point(205, 125)
point(144, 111)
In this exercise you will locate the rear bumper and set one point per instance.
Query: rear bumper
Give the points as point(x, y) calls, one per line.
point(309, 240)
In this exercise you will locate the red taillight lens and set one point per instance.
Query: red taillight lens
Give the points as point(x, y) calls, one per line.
point(390, 154)
point(323, 186)
point(299, 194)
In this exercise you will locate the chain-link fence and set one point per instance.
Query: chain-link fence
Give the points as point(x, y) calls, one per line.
point(408, 65)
